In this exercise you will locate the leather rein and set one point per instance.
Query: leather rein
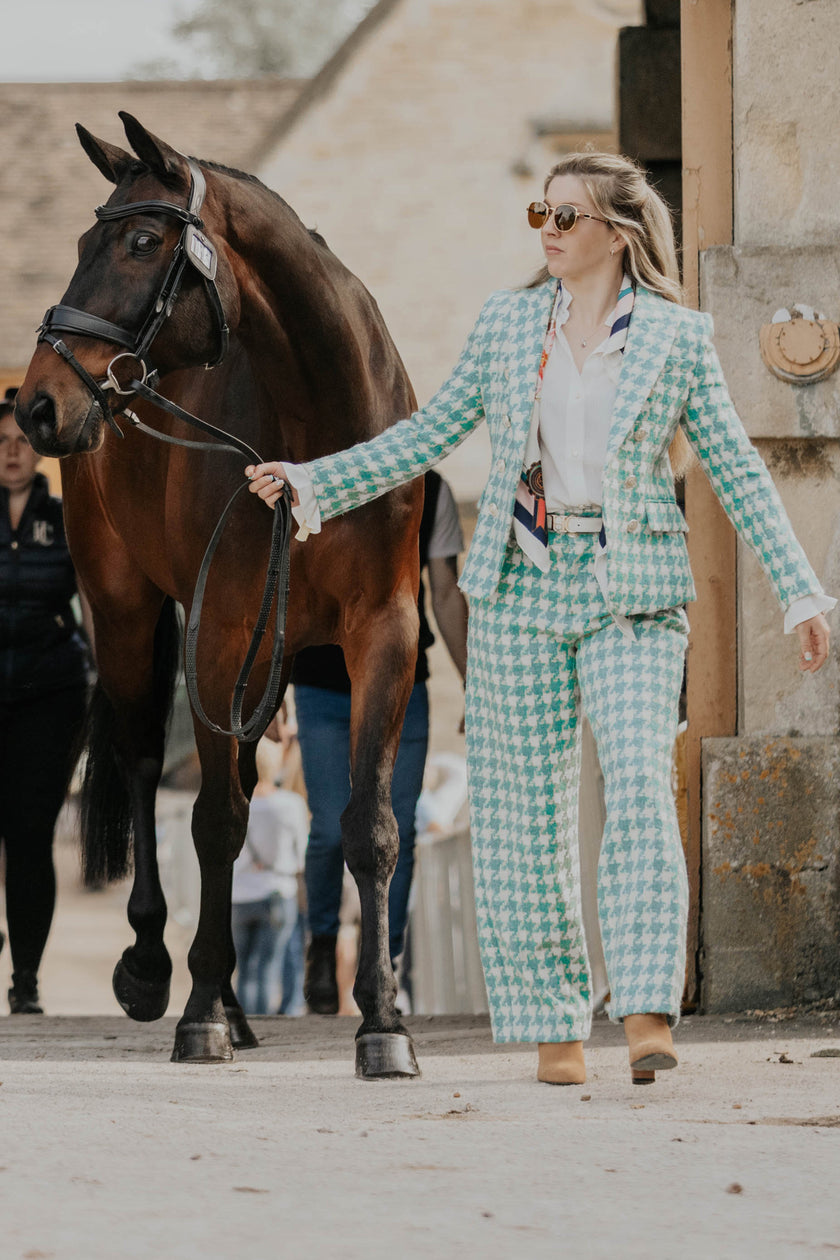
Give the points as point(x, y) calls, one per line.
point(193, 249)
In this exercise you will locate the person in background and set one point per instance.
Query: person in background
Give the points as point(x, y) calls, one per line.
point(43, 693)
point(322, 702)
point(265, 884)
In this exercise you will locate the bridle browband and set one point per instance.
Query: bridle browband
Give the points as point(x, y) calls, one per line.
point(193, 248)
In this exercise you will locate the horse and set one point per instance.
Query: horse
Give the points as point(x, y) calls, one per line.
point(304, 365)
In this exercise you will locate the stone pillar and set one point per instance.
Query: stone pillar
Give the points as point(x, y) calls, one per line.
point(771, 795)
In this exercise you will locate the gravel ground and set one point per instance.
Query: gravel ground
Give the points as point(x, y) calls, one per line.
point(109, 1150)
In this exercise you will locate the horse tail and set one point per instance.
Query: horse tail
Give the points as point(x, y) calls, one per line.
point(107, 820)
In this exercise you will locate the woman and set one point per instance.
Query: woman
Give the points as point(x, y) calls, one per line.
point(578, 571)
point(43, 683)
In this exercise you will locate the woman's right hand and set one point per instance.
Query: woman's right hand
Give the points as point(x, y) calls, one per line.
point(268, 480)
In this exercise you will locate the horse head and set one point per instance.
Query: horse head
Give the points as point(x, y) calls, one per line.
point(151, 293)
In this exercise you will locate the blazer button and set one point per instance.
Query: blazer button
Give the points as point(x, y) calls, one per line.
point(493, 510)
point(630, 483)
point(640, 435)
point(500, 465)
point(507, 373)
point(507, 422)
point(632, 526)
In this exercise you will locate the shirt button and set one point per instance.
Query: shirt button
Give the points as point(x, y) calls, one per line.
point(632, 526)
point(493, 510)
point(15, 546)
point(630, 483)
point(575, 454)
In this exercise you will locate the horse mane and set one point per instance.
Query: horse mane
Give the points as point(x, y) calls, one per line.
point(233, 171)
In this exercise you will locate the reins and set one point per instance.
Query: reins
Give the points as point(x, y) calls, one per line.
point(193, 248)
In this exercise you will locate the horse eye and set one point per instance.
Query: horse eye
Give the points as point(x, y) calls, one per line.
point(142, 243)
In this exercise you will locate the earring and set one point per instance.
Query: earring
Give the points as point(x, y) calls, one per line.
point(612, 250)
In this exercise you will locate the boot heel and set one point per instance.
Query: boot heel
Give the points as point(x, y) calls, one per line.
point(642, 1076)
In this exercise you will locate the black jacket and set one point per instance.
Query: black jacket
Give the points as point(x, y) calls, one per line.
point(41, 649)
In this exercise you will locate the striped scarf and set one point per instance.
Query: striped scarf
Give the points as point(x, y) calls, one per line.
point(529, 512)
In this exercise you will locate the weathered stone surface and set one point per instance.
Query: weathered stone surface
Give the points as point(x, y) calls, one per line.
point(774, 696)
point(743, 288)
point(771, 872)
point(650, 117)
point(787, 148)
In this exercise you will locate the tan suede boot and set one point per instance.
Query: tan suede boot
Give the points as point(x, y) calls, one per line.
point(650, 1045)
point(561, 1063)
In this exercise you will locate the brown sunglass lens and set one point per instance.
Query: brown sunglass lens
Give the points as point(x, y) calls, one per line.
point(565, 218)
point(537, 214)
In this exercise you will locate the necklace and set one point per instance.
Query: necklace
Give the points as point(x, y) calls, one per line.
point(592, 331)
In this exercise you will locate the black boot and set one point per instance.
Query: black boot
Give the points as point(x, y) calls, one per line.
point(23, 995)
point(320, 987)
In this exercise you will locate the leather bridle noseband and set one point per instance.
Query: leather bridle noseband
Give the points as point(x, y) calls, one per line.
point(193, 248)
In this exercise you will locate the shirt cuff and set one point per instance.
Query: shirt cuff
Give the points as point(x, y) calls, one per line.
point(306, 512)
point(805, 608)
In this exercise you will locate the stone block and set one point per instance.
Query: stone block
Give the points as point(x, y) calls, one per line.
point(650, 118)
point(774, 697)
point(786, 148)
point(743, 288)
point(770, 872)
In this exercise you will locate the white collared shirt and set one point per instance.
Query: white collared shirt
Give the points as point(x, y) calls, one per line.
point(575, 416)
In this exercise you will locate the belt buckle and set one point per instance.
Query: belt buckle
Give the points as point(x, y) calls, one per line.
point(561, 523)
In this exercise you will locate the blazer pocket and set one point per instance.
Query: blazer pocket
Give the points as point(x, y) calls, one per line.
point(664, 517)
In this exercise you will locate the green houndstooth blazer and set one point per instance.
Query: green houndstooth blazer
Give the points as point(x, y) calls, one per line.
point(670, 376)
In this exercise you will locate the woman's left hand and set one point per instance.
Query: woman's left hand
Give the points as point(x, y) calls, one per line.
point(813, 642)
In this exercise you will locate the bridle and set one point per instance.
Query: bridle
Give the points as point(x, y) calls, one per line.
point(195, 249)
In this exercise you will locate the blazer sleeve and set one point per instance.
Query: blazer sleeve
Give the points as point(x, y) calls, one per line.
point(740, 479)
point(407, 449)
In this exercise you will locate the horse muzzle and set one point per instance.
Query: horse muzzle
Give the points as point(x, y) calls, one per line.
point(57, 429)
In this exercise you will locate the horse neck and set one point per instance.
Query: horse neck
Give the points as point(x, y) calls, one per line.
point(310, 330)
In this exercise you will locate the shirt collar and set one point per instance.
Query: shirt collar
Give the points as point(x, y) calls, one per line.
point(619, 315)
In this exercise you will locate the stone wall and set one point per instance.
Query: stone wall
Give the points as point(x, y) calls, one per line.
point(769, 925)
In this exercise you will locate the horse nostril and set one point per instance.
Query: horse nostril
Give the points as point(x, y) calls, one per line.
point(42, 417)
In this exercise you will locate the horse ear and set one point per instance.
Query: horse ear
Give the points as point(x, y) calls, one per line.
point(107, 158)
point(160, 157)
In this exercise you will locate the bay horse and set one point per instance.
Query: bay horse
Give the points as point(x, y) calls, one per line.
point(305, 366)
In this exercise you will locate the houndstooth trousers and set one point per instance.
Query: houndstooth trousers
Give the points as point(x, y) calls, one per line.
point(541, 647)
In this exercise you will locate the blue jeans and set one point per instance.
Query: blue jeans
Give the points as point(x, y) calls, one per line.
point(261, 931)
point(324, 732)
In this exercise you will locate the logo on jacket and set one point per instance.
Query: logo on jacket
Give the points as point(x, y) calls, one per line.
point(43, 533)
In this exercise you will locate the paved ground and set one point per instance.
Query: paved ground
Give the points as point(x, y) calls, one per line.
point(110, 1151)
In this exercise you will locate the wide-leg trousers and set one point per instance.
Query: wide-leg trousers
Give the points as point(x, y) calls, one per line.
point(542, 647)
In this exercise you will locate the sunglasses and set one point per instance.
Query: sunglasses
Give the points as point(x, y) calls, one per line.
point(565, 216)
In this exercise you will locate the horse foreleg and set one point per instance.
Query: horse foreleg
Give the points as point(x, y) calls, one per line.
point(220, 817)
point(381, 666)
point(137, 661)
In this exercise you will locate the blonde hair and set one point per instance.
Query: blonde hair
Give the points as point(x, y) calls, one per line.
point(621, 194)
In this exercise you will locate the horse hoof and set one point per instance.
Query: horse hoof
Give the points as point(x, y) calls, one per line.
point(143, 1000)
point(381, 1055)
point(242, 1035)
point(202, 1043)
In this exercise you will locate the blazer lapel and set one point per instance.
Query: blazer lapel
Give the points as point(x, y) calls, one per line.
point(649, 338)
point(528, 324)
